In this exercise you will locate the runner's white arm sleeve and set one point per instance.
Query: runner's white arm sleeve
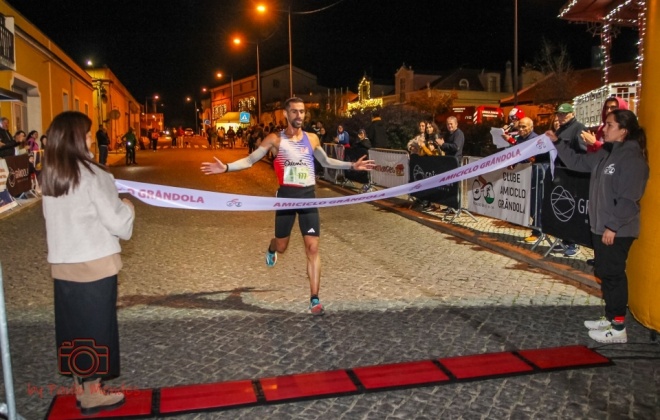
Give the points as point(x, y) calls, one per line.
point(329, 162)
point(247, 162)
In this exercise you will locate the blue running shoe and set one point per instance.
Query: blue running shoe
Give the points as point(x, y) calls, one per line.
point(315, 307)
point(271, 258)
point(571, 250)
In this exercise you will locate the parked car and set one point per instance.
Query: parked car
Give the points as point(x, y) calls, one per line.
point(188, 132)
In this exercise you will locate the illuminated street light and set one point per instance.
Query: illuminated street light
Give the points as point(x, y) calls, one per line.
point(239, 41)
point(154, 98)
point(261, 8)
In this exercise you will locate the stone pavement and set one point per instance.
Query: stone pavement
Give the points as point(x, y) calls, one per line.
point(198, 305)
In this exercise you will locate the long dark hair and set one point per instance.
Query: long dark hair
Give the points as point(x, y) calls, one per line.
point(628, 120)
point(66, 149)
point(433, 137)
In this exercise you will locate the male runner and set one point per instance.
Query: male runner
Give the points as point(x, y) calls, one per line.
point(294, 151)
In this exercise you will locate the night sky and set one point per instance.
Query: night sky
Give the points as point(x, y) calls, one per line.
point(174, 48)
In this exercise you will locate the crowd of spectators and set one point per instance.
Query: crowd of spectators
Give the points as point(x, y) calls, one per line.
point(431, 142)
point(23, 144)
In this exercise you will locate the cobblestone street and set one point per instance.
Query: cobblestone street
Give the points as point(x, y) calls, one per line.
point(199, 305)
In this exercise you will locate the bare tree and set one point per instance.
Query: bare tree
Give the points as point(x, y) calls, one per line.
point(432, 102)
point(554, 62)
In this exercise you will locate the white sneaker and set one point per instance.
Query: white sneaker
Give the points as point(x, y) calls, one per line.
point(609, 336)
point(601, 324)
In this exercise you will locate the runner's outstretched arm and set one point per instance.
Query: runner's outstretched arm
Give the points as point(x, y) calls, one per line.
point(217, 167)
point(328, 162)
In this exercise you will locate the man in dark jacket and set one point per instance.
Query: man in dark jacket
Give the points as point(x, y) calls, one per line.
point(7, 142)
point(570, 132)
point(453, 144)
point(103, 141)
point(570, 129)
point(376, 132)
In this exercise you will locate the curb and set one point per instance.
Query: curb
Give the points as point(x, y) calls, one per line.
point(25, 204)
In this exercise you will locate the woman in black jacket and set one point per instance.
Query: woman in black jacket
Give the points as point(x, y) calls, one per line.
point(363, 144)
point(619, 171)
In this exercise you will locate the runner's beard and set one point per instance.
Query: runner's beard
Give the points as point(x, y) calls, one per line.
point(297, 123)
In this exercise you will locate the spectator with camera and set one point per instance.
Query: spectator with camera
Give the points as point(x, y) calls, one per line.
point(85, 219)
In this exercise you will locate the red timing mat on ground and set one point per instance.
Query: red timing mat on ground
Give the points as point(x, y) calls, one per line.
point(564, 357)
point(483, 365)
point(225, 395)
point(206, 396)
point(401, 374)
point(307, 385)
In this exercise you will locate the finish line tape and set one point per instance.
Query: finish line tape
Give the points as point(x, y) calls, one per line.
point(185, 198)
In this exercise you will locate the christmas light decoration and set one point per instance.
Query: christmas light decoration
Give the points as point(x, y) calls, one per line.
point(364, 98)
point(620, 15)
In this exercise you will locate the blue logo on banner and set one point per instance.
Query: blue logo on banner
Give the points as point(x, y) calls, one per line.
point(244, 117)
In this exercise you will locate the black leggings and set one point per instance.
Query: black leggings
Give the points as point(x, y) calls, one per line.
point(610, 268)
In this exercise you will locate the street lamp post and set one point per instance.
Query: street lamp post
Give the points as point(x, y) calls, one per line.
point(258, 86)
point(154, 98)
point(197, 126)
point(515, 54)
point(231, 81)
point(262, 9)
point(290, 57)
point(238, 41)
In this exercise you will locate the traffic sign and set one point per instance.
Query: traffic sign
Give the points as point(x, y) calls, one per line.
point(244, 118)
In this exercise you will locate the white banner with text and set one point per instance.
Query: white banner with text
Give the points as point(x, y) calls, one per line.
point(503, 194)
point(184, 198)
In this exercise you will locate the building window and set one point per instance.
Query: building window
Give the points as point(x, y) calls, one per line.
point(87, 109)
point(65, 101)
point(402, 90)
point(76, 104)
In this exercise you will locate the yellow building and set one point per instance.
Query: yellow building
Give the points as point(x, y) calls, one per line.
point(39, 74)
point(38, 80)
point(113, 105)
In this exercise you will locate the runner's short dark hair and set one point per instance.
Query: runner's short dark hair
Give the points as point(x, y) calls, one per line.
point(293, 100)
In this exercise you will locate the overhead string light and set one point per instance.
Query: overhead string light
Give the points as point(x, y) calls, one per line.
point(606, 46)
point(616, 17)
point(567, 8)
point(640, 47)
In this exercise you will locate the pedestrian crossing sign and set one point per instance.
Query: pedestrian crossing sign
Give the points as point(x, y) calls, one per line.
point(244, 118)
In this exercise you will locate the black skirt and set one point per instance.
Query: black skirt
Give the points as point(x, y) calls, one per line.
point(86, 328)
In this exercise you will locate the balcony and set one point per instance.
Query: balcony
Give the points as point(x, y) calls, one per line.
point(6, 45)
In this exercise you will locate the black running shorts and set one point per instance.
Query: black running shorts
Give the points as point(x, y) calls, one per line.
point(308, 219)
